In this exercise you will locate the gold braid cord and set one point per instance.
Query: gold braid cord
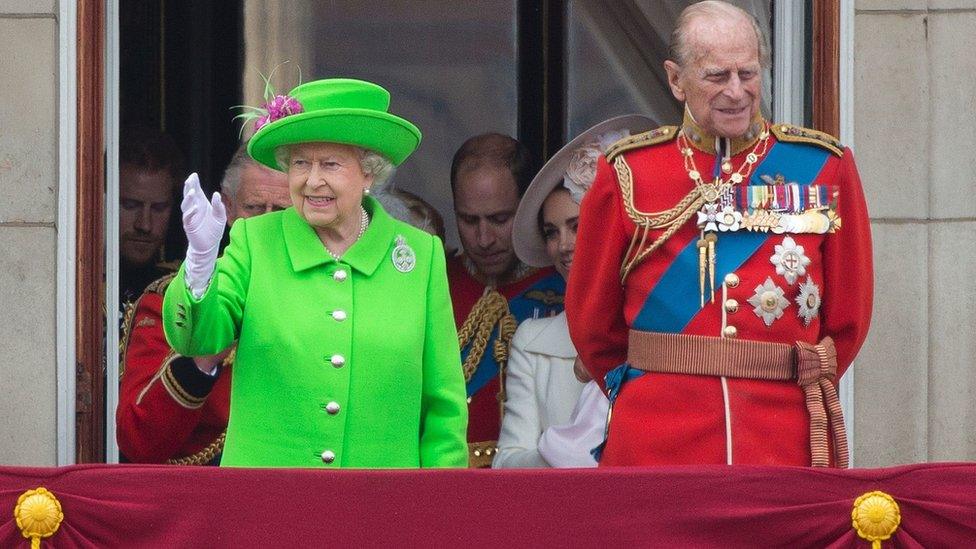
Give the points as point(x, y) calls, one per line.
point(490, 309)
point(506, 329)
point(129, 309)
point(671, 219)
point(204, 456)
point(209, 452)
point(128, 316)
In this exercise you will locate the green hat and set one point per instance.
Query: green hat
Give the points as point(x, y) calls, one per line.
point(335, 110)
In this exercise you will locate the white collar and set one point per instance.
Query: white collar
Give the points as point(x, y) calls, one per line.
point(553, 338)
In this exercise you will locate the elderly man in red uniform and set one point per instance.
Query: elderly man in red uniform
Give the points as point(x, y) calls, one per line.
point(722, 280)
point(172, 408)
point(492, 291)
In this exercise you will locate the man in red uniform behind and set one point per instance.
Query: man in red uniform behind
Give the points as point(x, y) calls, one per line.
point(492, 291)
point(173, 408)
point(722, 280)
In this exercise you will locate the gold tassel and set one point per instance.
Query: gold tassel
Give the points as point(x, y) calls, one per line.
point(712, 239)
point(702, 250)
point(490, 310)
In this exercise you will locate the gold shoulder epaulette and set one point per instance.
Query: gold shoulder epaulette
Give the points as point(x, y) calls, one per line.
point(159, 285)
point(798, 134)
point(652, 137)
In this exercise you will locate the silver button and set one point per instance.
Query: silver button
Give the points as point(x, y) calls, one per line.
point(339, 316)
point(328, 456)
point(332, 408)
point(338, 361)
point(340, 275)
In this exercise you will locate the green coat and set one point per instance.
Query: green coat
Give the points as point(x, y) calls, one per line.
point(354, 359)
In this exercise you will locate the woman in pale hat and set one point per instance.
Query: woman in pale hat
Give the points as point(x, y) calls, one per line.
point(554, 415)
point(347, 352)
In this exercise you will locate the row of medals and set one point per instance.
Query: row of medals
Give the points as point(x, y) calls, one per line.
point(711, 193)
point(709, 217)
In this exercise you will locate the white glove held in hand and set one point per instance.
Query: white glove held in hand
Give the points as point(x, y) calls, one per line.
point(203, 223)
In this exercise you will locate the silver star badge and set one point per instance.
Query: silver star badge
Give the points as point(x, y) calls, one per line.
point(809, 301)
point(790, 261)
point(768, 302)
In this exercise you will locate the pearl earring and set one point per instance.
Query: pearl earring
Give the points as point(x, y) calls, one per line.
point(366, 191)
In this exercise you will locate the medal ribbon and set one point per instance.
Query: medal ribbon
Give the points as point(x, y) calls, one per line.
point(670, 305)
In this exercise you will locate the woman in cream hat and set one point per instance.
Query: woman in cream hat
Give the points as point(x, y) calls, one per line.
point(553, 416)
point(347, 352)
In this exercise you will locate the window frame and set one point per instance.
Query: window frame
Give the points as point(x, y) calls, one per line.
point(89, 424)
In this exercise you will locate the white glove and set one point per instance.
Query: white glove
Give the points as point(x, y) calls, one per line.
point(203, 223)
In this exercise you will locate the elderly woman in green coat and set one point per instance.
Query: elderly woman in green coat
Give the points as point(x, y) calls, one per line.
point(347, 352)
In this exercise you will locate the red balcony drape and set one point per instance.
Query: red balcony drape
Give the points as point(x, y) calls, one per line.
point(715, 506)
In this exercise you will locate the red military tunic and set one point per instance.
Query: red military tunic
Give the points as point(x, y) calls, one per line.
point(662, 419)
point(539, 294)
point(169, 411)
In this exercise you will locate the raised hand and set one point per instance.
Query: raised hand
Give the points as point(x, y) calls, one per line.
point(203, 223)
point(203, 220)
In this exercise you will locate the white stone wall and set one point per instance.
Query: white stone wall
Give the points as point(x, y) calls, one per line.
point(28, 231)
point(915, 141)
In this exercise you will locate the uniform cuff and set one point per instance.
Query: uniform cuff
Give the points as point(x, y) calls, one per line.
point(189, 385)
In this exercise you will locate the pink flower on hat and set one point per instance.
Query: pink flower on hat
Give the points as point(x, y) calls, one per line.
point(275, 107)
point(279, 107)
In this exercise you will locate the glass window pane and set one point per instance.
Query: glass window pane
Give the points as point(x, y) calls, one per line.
point(450, 68)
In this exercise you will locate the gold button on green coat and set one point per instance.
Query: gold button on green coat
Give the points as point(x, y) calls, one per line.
point(393, 362)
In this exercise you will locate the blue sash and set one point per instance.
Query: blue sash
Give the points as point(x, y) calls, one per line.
point(531, 303)
point(673, 302)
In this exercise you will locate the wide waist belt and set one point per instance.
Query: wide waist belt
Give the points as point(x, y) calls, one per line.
point(814, 367)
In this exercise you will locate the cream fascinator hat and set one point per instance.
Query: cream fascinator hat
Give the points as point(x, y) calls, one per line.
point(574, 167)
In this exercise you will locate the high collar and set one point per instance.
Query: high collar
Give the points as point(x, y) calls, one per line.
point(706, 142)
point(306, 250)
point(518, 274)
point(553, 339)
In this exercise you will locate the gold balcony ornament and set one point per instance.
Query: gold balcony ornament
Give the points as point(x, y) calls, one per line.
point(38, 515)
point(875, 517)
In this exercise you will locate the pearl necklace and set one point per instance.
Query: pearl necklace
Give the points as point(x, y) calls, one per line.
point(363, 223)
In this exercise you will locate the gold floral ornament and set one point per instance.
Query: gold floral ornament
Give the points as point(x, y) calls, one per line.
point(38, 515)
point(875, 517)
